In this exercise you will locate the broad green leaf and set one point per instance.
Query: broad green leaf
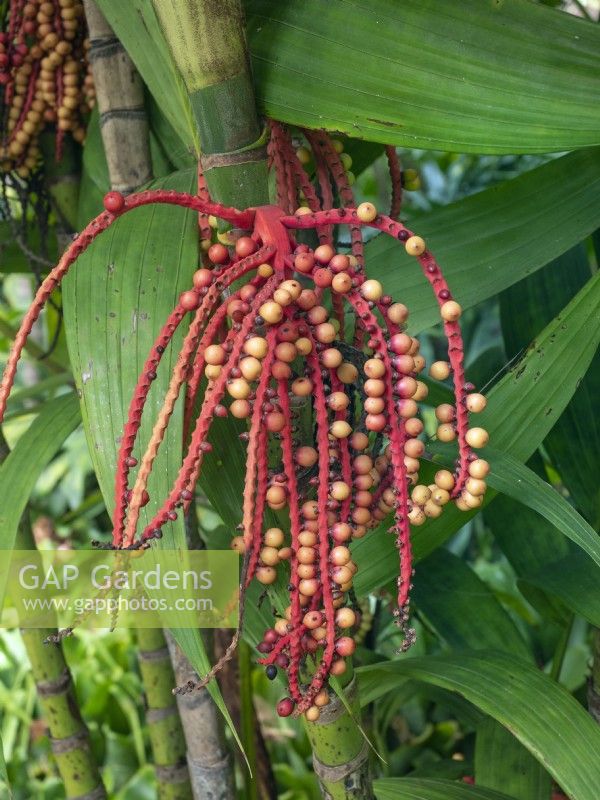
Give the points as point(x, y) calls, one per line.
point(494, 238)
point(428, 789)
point(223, 470)
point(573, 444)
point(537, 388)
point(479, 77)
point(444, 769)
point(461, 608)
point(573, 580)
point(521, 483)
point(116, 299)
point(542, 715)
point(180, 155)
point(136, 25)
point(529, 542)
point(502, 763)
point(551, 571)
point(29, 457)
point(362, 153)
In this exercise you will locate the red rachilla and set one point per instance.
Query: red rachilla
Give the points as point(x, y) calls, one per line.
point(270, 347)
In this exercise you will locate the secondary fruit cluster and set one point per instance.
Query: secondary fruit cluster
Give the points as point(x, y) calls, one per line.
point(44, 77)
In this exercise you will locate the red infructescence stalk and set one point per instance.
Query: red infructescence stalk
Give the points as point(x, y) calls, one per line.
point(281, 343)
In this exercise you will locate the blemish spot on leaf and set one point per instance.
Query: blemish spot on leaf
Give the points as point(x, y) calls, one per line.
point(385, 122)
point(87, 374)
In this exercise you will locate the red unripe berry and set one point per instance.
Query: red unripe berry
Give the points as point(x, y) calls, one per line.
point(304, 262)
point(323, 277)
point(406, 408)
point(324, 253)
point(341, 532)
point(307, 299)
point(401, 343)
point(275, 421)
point(285, 707)
point(309, 644)
point(406, 387)
point(271, 636)
point(218, 253)
point(338, 667)
point(189, 301)
point(339, 263)
point(345, 646)
point(245, 246)
point(306, 456)
point(280, 370)
point(202, 278)
point(404, 364)
point(362, 464)
point(312, 619)
point(114, 202)
point(359, 441)
point(287, 332)
point(375, 422)
point(247, 292)
point(374, 405)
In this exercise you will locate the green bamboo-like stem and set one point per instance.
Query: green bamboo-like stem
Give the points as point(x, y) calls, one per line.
point(207, 41)
point(164, 725)
point(69, 736)
point(340, 751)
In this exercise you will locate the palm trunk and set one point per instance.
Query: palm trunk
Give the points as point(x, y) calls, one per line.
point(120, 98)
point(208, 759)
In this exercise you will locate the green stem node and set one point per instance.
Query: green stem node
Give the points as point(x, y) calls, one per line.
point(340, 751)
point(164, 725)
point(208, 44)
